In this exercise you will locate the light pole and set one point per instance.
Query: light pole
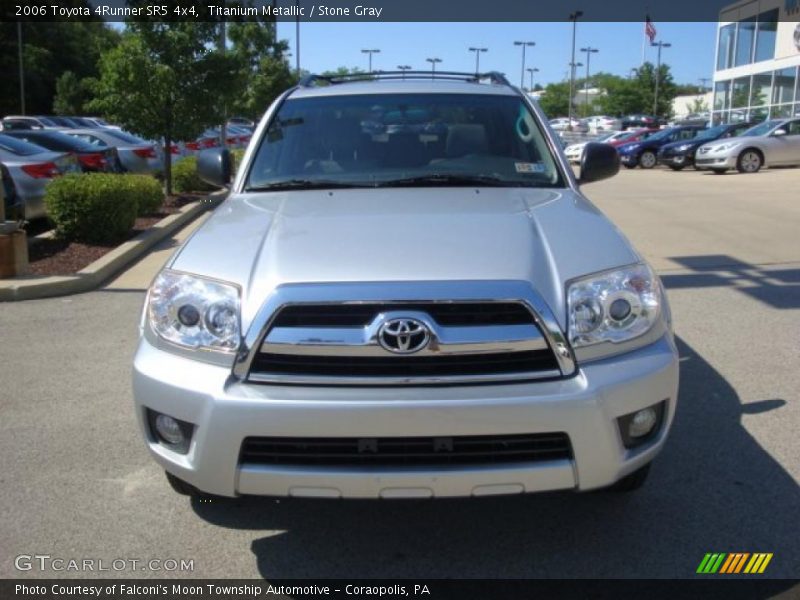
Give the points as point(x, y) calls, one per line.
point(589, 51)
point(477, 52)
point(297, 37)
point(433, 62)
point(404, 68)
point(371, 52)
point(531, 71)
point(660, 45)
point(573, 16)
point(21, 68)
point(522, 73)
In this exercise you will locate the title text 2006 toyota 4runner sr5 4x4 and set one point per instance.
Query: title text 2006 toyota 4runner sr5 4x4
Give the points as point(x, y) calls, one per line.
point(405, 295)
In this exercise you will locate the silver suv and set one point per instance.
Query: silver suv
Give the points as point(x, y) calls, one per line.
point(405, 295)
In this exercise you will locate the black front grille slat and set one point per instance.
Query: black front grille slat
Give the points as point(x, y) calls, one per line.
point(409, 452)
point(451, 314)
point(402, 366)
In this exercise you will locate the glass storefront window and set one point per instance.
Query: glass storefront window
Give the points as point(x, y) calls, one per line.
point(722, 93)
point(760, 93)
point(727, 35)
point(740, 93)
point(758, 114)
point(744, 41)
point(783, 88)
point(767, 34)
point(781, 112)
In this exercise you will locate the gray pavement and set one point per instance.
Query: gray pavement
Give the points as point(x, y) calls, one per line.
point(76, 482)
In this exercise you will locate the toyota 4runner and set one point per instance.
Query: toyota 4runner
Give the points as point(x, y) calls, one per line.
point(405, 294)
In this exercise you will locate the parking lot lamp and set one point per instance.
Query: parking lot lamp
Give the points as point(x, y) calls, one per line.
point(371, 51)
point(477, 52)
point(433, 61)
point(573, 16)
point(522, 73)
point(589, 51)
point(531, 71)
point(660, 45)
point(404, 68)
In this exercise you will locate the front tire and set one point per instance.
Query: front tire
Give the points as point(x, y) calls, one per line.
point(647, 160)
point(749, 161)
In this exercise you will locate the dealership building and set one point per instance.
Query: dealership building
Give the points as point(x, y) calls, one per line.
point(757, 60)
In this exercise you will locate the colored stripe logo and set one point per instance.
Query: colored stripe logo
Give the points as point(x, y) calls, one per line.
point(734, 562)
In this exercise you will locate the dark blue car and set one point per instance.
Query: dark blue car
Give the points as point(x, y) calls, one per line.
point(645, 153)
point(677, 155)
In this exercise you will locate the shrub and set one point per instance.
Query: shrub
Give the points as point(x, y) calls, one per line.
point(186, 179)
point(98, 208)
point(147, 190)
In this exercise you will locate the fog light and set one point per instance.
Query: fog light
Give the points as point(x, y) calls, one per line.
point(168, 429)
point(170, 432)
point(639, 427)
point(642, 422)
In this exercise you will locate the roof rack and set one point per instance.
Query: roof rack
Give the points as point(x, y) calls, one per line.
point(491, 76)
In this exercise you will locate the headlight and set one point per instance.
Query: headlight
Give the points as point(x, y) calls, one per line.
point(614, 306)
point(194, 312)
point(683, 147)
point(724, 147)
point(630, 148)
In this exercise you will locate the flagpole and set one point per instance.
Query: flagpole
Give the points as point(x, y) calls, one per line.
point(644, 35)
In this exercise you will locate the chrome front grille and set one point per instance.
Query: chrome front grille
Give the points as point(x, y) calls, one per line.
point(341, 344)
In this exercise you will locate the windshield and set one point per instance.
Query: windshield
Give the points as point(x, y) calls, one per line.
point(713, 133)
point(661, 135)
point(403, 139)
point(762, 128)
point(55, 140)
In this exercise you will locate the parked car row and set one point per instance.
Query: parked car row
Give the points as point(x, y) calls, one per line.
point(35, 149)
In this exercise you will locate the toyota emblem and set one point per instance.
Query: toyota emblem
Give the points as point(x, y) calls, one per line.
point(403, 335)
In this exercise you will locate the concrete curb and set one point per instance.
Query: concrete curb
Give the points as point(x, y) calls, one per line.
point(109, 265)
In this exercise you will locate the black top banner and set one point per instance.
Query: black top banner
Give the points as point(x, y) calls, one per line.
point(379, 10)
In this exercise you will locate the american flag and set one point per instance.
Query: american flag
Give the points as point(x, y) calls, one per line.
point(649, 29)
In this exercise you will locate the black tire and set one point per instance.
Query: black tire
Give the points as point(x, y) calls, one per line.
point(648, 159)
point(632, 482)
point(749, 160)
point(627, 166)
point(720, 171)
point(677, 167)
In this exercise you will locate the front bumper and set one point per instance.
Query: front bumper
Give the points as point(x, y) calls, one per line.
point(675, 160)
point(715, 161)
point(629, 159)
point(225, 411)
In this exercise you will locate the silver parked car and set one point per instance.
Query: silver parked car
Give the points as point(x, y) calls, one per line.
point(771, 143)
point(428, 309)
point(135, 155)
point(30, 168)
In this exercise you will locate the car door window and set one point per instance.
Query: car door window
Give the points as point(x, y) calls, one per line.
point(89, 139)
point(793, 128)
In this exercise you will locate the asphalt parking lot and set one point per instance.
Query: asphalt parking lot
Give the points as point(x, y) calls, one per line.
point(76, 481)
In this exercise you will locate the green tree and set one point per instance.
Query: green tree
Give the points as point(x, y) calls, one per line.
point(166, 81)
point(555, 100)
point(73, 94)
point(262, 67)
point(667, 90)
point(49, 50)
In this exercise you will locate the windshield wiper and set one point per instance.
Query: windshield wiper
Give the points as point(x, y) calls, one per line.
point(448, 179)
point(304, 184)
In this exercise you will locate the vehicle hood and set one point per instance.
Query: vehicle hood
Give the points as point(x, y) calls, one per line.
point(750, 139)
point(690, 143)
point(263, 240)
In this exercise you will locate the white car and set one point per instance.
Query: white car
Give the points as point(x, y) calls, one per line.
point(574, 152)
point(563, 123)
point(603, 123)
point(772, 143)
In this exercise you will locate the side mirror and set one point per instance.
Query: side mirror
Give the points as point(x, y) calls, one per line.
point(779, 132)
point(214, 166)
point(599, 161)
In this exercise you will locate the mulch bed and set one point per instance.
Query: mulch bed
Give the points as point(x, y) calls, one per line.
point(57, 257)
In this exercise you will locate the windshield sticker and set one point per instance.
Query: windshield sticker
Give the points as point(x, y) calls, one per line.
point(536, 167)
